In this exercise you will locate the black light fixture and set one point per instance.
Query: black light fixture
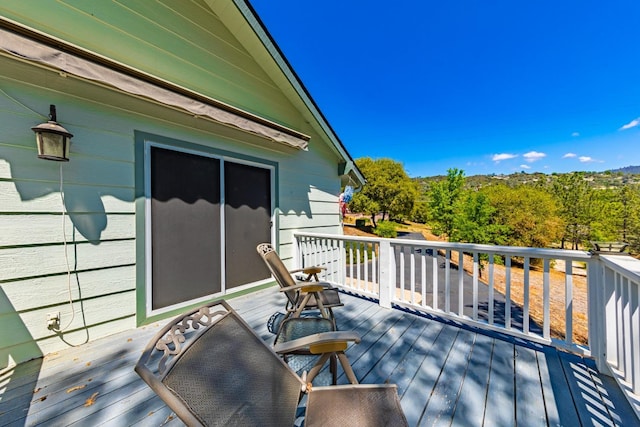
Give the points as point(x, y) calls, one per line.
point(53, 140)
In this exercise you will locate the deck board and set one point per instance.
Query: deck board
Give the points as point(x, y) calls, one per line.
point(529, 398)
point(500, 405)
point(446, 375)
point(471, 411)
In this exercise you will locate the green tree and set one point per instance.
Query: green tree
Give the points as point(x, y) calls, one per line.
point(530, 215)
point(420, 212)
point(476, 221)
point(629, 199)
point(444, 202)
point(388, 190)
point(575, 198)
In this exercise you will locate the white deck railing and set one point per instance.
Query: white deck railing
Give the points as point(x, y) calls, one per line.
point(505, 289)
point(618, 288)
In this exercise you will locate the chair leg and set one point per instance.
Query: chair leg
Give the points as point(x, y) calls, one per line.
point(333, 368)
point(347, 368)
point(313, 372)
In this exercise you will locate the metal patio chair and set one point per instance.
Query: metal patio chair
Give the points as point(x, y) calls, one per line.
point(211, 368)
point(295, 343)
point(302, 295)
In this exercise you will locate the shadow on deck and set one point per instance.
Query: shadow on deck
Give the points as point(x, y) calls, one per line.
point(447, 374)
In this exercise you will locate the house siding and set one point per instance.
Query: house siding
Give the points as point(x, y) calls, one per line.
point(103, 222)
point(183, 42)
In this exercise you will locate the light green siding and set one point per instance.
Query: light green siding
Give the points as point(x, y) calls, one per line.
point(181, 41)
point(185, 43)
point(101, 229)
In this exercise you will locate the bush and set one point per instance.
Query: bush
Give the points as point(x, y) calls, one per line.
point(385, 229)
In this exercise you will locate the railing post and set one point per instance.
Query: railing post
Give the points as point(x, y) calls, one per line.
point(597, 314)
point(387, 273)
point(297, 257)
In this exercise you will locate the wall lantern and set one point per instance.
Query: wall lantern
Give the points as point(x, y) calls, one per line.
point(53, 140)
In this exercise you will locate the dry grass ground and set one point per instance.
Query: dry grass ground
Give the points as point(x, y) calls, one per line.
point(557, 288)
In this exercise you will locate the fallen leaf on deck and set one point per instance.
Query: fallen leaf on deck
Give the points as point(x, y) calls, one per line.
point(37, 390)
point(90, 401)
point(78, 387)
point(130, 339)
point(88, 364)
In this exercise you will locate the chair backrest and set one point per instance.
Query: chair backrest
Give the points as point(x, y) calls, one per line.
point(211, 368)
point(277, 269)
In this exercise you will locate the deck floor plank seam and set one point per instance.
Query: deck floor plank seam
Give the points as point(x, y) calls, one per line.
point(501, 387)
point(470, 406)
point(382, 370)
point(444, 396)
point(529, 398)
point(418, 393)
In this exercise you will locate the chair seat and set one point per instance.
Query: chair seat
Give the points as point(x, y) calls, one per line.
point(330, 298)
point(354, 405)
point(302, 360)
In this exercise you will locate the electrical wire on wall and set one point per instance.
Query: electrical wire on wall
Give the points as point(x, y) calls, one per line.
point(66, 255)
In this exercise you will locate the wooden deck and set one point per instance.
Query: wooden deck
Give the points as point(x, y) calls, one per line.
point(447, 374)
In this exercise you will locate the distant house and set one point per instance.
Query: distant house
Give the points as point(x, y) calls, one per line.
point(193, 140)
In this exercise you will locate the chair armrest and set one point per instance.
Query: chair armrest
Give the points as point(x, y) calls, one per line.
point(308, 287)
point(308, 270)
point(321, 339)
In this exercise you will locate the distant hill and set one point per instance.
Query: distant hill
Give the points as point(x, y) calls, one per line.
point(627, 169)
point(608, 179)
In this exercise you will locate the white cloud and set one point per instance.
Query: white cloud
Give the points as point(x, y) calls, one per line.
point(525, 166)
point(569, 156)
point(504, 156)
point(633, 123)
point(533, 156)
point(575, 134)
point(586, 159)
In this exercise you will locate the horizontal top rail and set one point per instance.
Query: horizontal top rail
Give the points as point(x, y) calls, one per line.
point(626, 266)
point(566, 254)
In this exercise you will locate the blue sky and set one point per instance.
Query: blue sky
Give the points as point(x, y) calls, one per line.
point(497, 86)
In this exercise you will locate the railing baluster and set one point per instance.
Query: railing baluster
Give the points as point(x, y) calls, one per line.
point(635, 338)
point(546, 322)
point(358, 265)
point(423, 276)
point(568, 304)
point(491, 291)
point(343, 266)
point(525, 291)
point(619, 322)
point(351, 264)
point(412, 269)
point(447, 282)
point(401, 256)
point(476, 274)
point(507, 293)
point(366, 266)
point(434, 278)
point(375, 277)
point(461, 283)
point(626, 327)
